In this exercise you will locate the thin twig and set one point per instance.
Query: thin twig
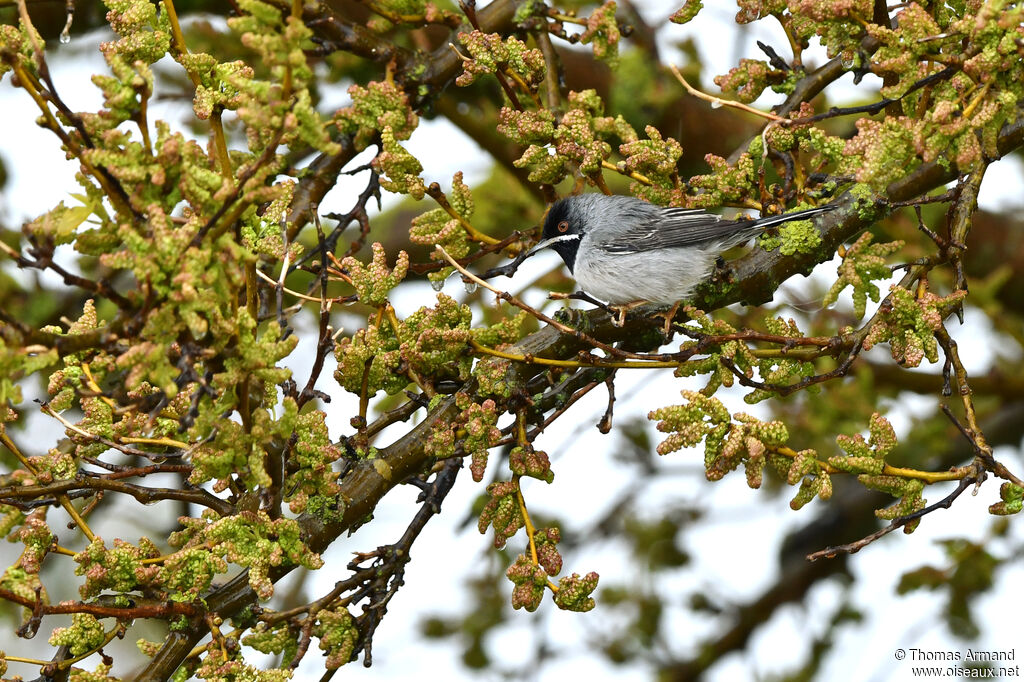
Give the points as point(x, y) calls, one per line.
point(718, 101)
point(605, 425)
point(854, 547)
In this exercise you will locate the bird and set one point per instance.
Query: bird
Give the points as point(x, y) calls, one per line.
point(624, 250)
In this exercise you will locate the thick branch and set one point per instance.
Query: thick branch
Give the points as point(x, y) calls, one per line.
point(143, 494)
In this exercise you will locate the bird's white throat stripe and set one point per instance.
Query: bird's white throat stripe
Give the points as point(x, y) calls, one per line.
point(553, 240)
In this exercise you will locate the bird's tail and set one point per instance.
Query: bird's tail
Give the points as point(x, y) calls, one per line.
point(762, 223)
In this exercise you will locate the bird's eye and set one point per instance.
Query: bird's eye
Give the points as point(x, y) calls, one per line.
point(563, 226)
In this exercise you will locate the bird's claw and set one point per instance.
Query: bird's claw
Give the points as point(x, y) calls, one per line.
point(669, 316)
point(621, 310)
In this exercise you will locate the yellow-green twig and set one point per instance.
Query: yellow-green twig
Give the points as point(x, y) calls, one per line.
point(888, 470)
point(434, 190)
point(969, 109)
point(529, 530)
point(596, 362)
point(95, 387)
point(642, 179)
point(427, 389)
point(64, 500)
point(219, 139)
point(718, 101)
point(169, 442)
point(30, 661)
point(266, 278)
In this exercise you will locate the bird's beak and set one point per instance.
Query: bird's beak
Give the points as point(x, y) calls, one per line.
point(540, 246)
point(509, 269)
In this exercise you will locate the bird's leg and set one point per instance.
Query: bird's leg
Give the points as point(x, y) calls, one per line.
point(669, 317)
point(621, 310)
point(581, 296)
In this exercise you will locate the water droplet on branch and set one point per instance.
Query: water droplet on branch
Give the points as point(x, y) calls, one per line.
point(65, 35)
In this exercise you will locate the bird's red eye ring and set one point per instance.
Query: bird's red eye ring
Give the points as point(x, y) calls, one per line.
point(563, 226)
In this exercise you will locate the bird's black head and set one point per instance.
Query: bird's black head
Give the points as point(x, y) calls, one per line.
point(562, 231)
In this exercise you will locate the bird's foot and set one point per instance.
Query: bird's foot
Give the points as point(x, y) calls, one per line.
point(621, 310)
point(669, 316)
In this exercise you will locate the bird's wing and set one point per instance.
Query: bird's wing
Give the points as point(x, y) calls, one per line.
point(678, 227)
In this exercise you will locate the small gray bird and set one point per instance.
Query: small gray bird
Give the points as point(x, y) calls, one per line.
point(621, 249)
